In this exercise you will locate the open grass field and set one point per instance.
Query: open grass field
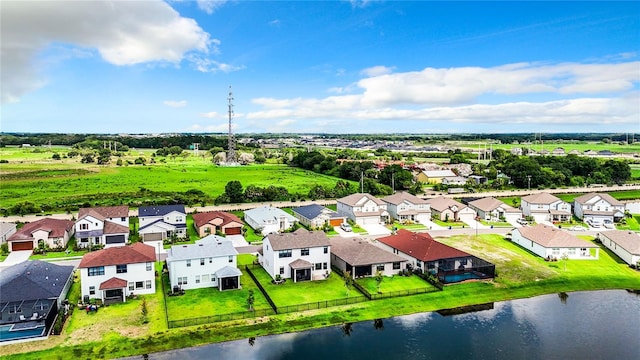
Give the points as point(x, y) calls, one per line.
point(68, 183)
point(581, 146)
point(393, 283)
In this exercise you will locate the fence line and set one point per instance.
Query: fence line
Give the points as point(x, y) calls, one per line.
point(262, 290)
point(218, 318)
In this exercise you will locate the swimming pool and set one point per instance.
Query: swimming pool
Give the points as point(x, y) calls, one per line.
point(6, 334)
point(458, 277)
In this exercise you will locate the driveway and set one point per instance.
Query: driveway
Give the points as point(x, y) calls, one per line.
point(476, 224)
point(343, 233)
point(376, 229)
point(15, 257)
point(237, 240)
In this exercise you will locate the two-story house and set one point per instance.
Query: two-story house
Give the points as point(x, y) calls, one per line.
point(447, 209)
point(598, 207)
point(267, 219)
point(160, 222)
point(403, 206)
point(301, 255)
point(210, 262)
point(52, 232)
point(211, 222)
point(545, 207)
point(363, 209)
point(114, 273)
point(107, 225)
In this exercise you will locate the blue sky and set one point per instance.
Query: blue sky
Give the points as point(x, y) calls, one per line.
point(320, 66)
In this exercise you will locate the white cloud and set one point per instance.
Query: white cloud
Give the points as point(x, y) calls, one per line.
point(122, 32)
point(210, 6)
point(207, 65)
point(275, 22)
point(211, 115)
point(175, 104)
point(209, 128)
point(377, 71)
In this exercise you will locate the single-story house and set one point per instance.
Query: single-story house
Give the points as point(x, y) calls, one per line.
point(6, 230)
point(31, 293)
point(447, 209)
point(362, 259)
point(449, 264)
point(316, 216)
point(454, 181)
point(363, 209)
point(267, 219)
point(551, 243)
point(403, 206)
point(434, 176)
point(211, 222)
point(598, 207)
point(545, 207)
point(160, 222)
point(113, 273)
point(47, 231)
point(210, 262)
point(105, 225)
point(624, 243)
point(492, 209)
point(301, 255)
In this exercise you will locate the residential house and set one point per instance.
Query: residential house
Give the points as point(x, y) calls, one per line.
point(454, 181)
point(598, 207)
point(316, 216)
point(424, 253)
point(107, 225)
point(447, 209)
point(114, 273)
point(403, 206)
point(363, 209)
point(434, 176)
point(479, 179)
point(6, 230)
point(160, 222)
point(301, 255)
point(362, 259)
point(267, 219)
point(31, 293)
point(624, 243)
point(545, 207)
point(51, 232)
point(210, 262)
point(492, 209)
point(551, 243)
point(558, 151)
point(212, 222)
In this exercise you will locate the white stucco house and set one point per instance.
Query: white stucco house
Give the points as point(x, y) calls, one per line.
point(551, 243)
point(267, 219)
point(598, 207)
point(301, 255)
point(210, 262)
point(113, 273)
point(545, 207)
point(48, 231)
point(447, 209)
point(161, 222)
point(403, 206)
point(624, 243)
point(492, 209)
point(107, 225)
point(363, 209)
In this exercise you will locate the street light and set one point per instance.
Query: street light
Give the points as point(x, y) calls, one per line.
point(528, 182)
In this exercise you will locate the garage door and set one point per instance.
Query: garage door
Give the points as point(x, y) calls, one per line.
point(21, 245)
point(233, 231)
point(152, 237)
point(115, 239)
point(335, 222)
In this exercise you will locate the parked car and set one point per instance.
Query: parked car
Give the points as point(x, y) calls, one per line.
point(346, 227)
point(578, 228)
point(609, 224)
point(595, 224)
point(522, 221)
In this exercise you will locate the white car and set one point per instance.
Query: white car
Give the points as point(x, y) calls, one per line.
point(346, 227)
point(578, 228)
point(522, 221)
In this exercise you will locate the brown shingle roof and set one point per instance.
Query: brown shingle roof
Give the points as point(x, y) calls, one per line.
point(540, 198)
point(442, 203)
point(113, 283)
point(353, 199)
point(551, 237)
point(55, 227)
point(401, 196)
point(112, 228)
point(300, 264)
point(628, 240)
point(604, 196)
point(490, 203)
point(203, 218)
point(421, 246)
point(104, 212)
point(298, 239)
point(358, 252)
point(131, 254)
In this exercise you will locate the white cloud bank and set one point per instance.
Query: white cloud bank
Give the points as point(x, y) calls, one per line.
point(122, 32)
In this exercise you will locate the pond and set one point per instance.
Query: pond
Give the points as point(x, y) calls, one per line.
point(579, 325)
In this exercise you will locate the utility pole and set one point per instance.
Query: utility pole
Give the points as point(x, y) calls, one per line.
point(529, 182)
point(362, 182)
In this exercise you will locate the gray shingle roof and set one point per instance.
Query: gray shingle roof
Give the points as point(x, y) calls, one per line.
point(550, 237)
point(355, 199)
point(266, 214)
point(626, 239)
point(540, 198)
point(33, 279)
point(298, 239)
point(401, 196)
point(160, 210)
point(228, 271)
point(210, 246)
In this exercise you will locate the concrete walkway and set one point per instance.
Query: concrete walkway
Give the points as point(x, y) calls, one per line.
point(15, 257)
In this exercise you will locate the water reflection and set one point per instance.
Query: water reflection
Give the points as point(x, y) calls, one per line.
point(378, 324)
point(563, 297)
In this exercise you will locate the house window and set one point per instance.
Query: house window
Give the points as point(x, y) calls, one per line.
point(318, 266)
point(380, 267)
point(92, 290)
point(182, 280)
point(324, 266)
point(123, 219)
point(15, 309)
point(213, 277)
point(201, 261)
point(207, 230)
point(84, 240)
point(121, 269)
point(326, 249)
point(231, 258)
point(284, 253)
point(281, 270)
point(396, 265)
point(139, 284)
point(210, 260)
point(188, 263)
point(131, 286)
point(147, 284)
point(96, 271)
point(572, 251)
point(197, 279)
point(555, 251)
point(148, 266)
point(395, 251)
point(178, 218)
point(84, 226)
point(304, 252)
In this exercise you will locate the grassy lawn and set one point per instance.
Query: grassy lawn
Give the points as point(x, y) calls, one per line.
point(632, 223)
point(210, 301)
point(393, 283)
point(291, 293)
point(57, 255)
point(453, 224)
point(496, 223)
point(407, 226)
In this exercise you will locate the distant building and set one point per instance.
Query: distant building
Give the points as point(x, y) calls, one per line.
point(267, 219)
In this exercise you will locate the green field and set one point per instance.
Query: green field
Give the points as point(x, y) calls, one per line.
point(580, 146)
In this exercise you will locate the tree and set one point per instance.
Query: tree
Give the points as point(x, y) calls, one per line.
point(378, 277)
point(55, 156)
point(144, 311)
point(397, 176)
point(348, 281)
point(564, 258)
point(250, 299)
point(233, 190)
